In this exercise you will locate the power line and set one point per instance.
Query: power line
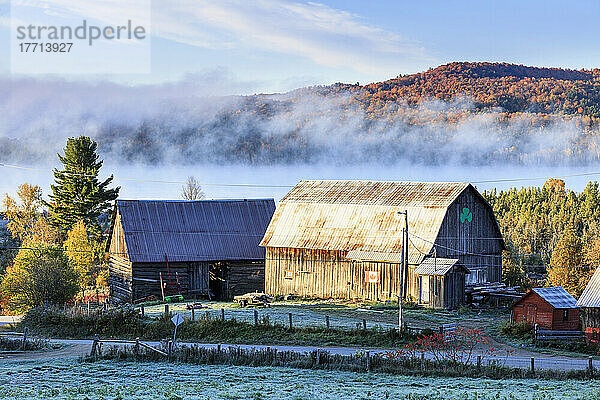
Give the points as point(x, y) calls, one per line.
point(536, 178)
point(155, 180)
point(291, 186)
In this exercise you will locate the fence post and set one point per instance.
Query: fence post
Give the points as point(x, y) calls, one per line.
point(219, 348)
point(95, 347)
point(479, 361)
point(422, 361)
point(318, 356)
point(532, 364)
point(368, 360)
point(222, 314)
point(591, 365)
point(137, 346)
point(327, 321)
point(290, 318)
point(193, 314)
point(364, 324)
point(25, 338)
point(166, 311)
point(255, 317)
point(142, 310)
point(535, 333)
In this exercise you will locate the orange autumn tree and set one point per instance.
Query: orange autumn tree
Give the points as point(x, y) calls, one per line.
point(566, 265)
point(86, 257)
point(27, 221)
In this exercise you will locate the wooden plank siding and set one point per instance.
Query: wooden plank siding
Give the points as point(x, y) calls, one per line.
point(328, 274)
point(457, 240)
point(245, 277)
point(120, 278)
point(590, 318)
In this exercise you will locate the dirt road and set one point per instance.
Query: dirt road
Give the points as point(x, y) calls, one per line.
point(77, 348)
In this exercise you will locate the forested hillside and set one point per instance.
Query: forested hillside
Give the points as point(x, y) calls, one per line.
point(492, 86)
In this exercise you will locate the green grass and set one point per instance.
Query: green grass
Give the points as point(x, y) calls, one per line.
point(125, 323)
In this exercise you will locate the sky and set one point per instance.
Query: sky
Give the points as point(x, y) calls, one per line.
point(263, 46)
point(278, 45)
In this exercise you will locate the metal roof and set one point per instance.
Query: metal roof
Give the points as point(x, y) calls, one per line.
point(591, 294)
point(557, 296)
point(361, 216)
point(437, 266)
point(385, 193)
point(360, 255)
point(205, 230)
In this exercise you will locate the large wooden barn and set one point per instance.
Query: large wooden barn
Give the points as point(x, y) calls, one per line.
point(589, 302)
point(343, 239)
point(199, 248)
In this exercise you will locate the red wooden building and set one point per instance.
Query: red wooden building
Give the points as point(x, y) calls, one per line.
point(550, 308)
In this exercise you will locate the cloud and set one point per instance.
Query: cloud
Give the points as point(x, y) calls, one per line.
point(325, 35)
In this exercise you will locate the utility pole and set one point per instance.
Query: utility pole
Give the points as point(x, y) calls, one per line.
point(403, 269)
point(405, 266)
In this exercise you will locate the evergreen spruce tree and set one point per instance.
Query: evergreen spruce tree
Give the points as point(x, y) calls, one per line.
point(77, 194)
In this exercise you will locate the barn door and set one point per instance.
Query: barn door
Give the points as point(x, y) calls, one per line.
point(424, 289)
point(198, 273)
point(530, 313)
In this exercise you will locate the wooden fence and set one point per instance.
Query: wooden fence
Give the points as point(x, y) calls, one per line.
point(23, 335)
point(544, 335)
point(448, 330)
point(137, 344)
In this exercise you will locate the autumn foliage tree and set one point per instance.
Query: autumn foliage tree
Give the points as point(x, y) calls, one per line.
point(27, 220)
point(40, 275)
point(566, 265)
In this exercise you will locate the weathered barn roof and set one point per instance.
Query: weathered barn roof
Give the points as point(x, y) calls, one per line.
point(438, 266)
point(205, 230)
point(362, 217)
point(556, 296)
point(591, 294)
point(360, 255)
point(383, 193)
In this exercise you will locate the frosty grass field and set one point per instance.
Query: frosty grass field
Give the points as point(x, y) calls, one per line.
point(71, 379)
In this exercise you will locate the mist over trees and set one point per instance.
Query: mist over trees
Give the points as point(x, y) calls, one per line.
point(460, 114)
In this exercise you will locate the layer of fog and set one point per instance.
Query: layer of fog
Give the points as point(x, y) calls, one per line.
point(188, 123)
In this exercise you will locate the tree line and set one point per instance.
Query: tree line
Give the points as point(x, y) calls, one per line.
point(551, 231)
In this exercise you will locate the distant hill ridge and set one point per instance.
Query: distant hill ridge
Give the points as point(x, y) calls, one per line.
point(514, 88)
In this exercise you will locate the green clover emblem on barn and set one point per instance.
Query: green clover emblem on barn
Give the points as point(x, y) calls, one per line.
point(466, 215)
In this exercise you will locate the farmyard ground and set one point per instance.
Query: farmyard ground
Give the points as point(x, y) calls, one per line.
point(71, 379)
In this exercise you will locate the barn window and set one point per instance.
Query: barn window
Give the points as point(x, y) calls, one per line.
point(565, 315)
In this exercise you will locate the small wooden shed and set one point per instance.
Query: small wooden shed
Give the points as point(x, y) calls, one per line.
point(550, 308)
point(441, 283)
